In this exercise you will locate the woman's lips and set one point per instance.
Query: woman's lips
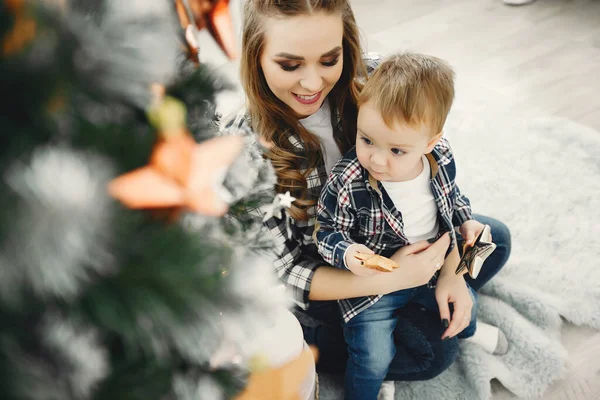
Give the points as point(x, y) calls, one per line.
point(304, 99)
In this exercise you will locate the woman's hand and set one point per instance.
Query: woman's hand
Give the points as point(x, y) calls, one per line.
point(453, 289)
point(418, 263)
point(470, 230)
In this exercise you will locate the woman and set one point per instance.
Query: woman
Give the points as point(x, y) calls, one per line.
point(300, 65)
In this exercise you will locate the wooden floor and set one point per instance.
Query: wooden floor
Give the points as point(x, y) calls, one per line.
point(543, 57)
point(538, 59)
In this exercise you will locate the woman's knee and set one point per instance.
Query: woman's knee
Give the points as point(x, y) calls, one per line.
point(502, 238)
point(441, 355)
point(500, 234)
point(444, 354)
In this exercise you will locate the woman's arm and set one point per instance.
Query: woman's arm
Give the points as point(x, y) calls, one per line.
point(331, 283)
point(418, 262)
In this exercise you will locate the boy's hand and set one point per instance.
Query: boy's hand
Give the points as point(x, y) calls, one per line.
point(470, 230)
point(354, 264)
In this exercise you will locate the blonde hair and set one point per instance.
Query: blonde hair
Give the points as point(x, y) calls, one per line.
point(272, 119)
point(413, 89)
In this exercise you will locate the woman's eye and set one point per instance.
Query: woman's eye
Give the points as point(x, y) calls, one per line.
point(397, 151)
point(330, 63)
point(367, 141)
point(289, 68)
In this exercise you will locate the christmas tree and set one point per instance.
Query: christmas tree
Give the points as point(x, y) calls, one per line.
point(121, 275)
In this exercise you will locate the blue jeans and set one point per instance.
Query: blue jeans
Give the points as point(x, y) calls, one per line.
point(370, 339)
point(420, 353)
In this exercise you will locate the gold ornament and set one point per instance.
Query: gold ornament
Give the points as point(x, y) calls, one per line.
point(282, 383)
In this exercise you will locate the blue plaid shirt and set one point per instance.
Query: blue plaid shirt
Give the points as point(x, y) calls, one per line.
point(355, 208)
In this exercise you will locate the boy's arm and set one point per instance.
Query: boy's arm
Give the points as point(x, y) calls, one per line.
point(335, 219)
point(469, 228)
point(462, 208)
point(462, 216)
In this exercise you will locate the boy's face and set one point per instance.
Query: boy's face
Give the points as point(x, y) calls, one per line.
point(391, 154)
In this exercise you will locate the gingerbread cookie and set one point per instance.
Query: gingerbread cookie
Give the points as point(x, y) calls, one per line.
point(376, 262)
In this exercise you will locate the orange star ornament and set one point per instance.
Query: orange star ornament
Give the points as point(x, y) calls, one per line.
point(23, 30)
point(181, 173)
point(214, 15)
point(281, 383)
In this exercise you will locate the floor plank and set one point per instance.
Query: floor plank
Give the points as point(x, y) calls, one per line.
point(542, 58)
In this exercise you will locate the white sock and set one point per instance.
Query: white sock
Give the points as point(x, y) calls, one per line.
point(491, 338)
point(387, 391)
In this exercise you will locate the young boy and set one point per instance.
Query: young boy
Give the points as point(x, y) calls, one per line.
point(395, 188)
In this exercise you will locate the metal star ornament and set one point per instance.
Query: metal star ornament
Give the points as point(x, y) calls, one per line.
point(474, 256)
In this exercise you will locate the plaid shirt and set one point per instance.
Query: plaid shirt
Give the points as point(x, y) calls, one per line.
point(297, 262)
point(355, 208)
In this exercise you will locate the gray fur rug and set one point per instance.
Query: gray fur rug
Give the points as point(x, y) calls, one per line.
point(542, 178)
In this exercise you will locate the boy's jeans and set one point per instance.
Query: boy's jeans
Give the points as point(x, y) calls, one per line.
point(370, 339)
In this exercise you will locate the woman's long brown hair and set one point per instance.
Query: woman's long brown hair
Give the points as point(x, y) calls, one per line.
point(273, 119)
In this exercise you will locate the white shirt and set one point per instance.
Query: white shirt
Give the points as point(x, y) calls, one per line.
point(416, 203)
point(319, 124)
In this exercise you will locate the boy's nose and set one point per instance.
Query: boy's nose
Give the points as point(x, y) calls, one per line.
point(377, 159)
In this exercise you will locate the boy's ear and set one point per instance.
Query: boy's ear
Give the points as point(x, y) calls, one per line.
point(433, 141)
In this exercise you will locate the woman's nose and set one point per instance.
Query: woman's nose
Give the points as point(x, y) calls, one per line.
point(312, 82)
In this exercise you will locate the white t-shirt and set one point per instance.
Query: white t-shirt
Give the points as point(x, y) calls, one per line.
point(416, 203)
point(319, 124)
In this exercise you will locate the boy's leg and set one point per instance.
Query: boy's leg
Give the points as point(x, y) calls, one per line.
point(371, 347)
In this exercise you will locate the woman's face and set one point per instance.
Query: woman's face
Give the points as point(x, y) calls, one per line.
point(302, 59)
